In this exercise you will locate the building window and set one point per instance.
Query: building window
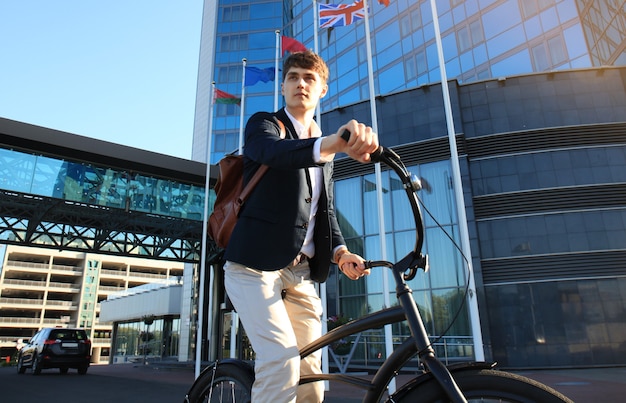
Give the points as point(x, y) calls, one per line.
point(556, 47)
point(231, 43)
point(540, 57)
point(229, 74)
point(463, 39)
point(532, 7)
point(405, 26)
point(236, 13)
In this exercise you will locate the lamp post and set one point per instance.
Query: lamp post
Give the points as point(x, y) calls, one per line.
point(147, 320)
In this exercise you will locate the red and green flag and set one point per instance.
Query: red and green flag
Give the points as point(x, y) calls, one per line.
point(221, 97)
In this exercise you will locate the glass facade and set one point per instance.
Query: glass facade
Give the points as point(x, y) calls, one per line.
point(482, 40)
point(137, 341)
point(558, 231)
point(97, 185)
point(569, 323)
point(245, 29)
point(604, 23)
point(438, 292)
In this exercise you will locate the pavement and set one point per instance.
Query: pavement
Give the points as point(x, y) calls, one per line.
point(593, 385)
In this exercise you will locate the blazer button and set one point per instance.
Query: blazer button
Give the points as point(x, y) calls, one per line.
point(305, 225)
point(308, 200)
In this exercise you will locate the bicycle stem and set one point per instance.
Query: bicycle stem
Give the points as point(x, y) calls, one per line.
point(425, 351)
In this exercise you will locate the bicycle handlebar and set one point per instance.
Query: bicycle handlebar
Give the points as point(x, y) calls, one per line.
point(415, 259)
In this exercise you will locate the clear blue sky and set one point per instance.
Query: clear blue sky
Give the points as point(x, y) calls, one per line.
point(123, 71)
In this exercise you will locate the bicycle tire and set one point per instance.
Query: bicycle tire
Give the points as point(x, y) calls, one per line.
point(223, 383)
point(483, 385)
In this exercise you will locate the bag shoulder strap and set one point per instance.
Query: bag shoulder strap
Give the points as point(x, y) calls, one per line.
point(256, 178)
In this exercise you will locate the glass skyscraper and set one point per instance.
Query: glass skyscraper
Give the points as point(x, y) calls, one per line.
point(482, 40)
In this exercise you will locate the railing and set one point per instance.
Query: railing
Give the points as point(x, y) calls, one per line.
point(72, 286)
point(42, 266)
point(21, 301)
point(28, 283)
point(27, 265)
point(106, 288)
point(116, 273)
point(62, 267)
point(146, 275)
point(370, 349)
point(59, 303)
point(21, 320)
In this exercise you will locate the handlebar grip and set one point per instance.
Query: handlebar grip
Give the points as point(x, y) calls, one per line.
point(375, 156)
point(370, 264)
point(346, 135)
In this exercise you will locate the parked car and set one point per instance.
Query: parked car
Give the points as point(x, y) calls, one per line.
point(56, 348)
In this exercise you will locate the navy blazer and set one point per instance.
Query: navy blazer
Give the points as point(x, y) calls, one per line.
point(273, 222)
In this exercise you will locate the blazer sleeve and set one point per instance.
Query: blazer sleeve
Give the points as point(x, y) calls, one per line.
point(263, 144)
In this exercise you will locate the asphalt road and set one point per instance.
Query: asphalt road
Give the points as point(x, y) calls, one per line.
point(100, 385)
point(154, 383)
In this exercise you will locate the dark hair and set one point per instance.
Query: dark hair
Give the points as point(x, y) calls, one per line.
point(306, 60)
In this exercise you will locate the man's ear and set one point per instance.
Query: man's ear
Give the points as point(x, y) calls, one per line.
point(282, 89)
point(324, 91)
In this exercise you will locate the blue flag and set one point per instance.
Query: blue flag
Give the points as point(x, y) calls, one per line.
point(255, 74)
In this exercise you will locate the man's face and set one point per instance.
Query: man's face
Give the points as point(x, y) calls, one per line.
point(302, 89)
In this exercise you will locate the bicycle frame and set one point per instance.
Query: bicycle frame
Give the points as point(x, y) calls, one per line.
point(431, 383)
point(392, 364)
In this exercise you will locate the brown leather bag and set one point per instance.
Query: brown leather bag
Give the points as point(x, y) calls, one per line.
point(231, 195)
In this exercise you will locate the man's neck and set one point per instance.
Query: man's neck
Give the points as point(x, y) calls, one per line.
point(302, 116)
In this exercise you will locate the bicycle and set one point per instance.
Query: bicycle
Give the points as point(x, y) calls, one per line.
point(230, 380)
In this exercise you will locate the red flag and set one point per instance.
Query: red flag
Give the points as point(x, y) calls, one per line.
point(385, 2)
point(291, 45)
point(221, 97)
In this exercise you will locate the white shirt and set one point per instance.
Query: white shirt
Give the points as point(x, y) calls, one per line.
point(317, 180)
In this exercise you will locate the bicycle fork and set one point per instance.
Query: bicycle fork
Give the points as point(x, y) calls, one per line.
point(426, 354)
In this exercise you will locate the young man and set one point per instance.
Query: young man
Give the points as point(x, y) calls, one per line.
point(287, 233)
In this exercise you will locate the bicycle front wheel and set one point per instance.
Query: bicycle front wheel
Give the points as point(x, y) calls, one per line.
point(484, 385)
point(223, 383)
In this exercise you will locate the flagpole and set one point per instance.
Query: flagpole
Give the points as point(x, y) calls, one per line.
point(458, 193)
point(316, 25)
point(379, 187)
point(276, 70)
point(243, 103)
point(204, 240)
point(323, 296)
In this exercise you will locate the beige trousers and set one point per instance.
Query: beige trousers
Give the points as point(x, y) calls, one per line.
point(281, 313)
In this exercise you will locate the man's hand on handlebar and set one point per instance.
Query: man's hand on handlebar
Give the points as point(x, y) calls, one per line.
point(361, 143)
point(353, 266)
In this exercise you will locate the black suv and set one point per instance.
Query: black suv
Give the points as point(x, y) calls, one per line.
point(56, 348)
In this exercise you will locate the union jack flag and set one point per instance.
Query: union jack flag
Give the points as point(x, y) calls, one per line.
point(337, 15)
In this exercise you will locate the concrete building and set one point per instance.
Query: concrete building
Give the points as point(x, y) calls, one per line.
point(49, 288)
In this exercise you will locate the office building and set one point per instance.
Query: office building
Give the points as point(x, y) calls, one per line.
point(532, 88)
